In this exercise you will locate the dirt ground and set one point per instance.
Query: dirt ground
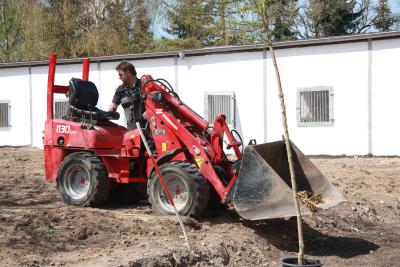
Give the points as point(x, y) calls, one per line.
point(38, 229)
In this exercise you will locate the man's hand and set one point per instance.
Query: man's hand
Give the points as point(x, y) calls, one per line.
point(145, 116)
point(112, 107)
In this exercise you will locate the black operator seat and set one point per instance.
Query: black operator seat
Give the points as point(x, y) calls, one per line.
point(83, 97)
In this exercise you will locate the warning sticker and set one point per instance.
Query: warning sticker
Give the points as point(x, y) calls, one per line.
point(164, 147)
point(199, 162)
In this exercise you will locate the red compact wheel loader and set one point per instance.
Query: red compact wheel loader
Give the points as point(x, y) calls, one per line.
point(86, 155)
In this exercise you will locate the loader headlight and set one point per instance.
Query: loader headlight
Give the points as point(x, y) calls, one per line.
point(60, 141)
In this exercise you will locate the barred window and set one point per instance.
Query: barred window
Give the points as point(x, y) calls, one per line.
point(5, 114)
point(61, 108)
point(315, 106)
point(220, 102)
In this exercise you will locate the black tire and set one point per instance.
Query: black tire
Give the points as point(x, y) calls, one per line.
point(192, 197)
point(93, 186)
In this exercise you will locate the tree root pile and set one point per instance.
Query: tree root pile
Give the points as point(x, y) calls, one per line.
point(310, 200)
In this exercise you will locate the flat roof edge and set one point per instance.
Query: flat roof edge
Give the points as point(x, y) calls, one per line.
point(217, 50)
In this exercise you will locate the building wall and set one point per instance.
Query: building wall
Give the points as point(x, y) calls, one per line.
point(385, 97)
point(241, 73)
point(344, 67)
point(14, 87)
point(250, 75)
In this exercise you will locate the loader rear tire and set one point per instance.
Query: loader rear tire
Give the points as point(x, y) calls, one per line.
point(82, 180)
point(188, 188)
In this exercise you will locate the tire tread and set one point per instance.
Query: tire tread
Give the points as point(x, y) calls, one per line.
point(202, 187)
point(101, 185)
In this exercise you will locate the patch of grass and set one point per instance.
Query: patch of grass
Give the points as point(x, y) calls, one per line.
point(50, 231)
point(32, 226)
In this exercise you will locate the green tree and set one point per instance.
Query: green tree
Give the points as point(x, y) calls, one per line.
point(319, 18)
point(33, 46)
point(125, 27)
point(62, 29)
point(273, 17)
point(93, 35)
point(142, 39)
point(100, 27)
point(226, 22)
point(385, 19)
point(337, 17)
point(191, 22)
point(11, 30)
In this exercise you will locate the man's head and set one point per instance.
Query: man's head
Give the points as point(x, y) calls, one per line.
point(126, 72)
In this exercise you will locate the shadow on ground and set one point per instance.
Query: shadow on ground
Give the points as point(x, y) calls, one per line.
point(283, 235)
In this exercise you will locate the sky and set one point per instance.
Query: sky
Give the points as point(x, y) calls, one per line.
point(395, 5)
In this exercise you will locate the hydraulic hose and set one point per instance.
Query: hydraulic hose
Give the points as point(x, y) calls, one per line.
point(240, 138)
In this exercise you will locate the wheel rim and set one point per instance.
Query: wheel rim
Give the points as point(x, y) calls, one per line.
point(77, 182)
point(178, 189)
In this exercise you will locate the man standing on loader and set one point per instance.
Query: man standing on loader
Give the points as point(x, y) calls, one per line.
point(131, 88)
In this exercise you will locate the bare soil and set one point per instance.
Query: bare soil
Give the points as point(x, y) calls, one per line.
point(38, 229)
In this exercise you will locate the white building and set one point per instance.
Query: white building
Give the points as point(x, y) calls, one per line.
point(341, 92)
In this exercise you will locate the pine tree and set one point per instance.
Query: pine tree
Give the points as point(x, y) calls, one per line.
point(225, 22)
point(141, 33)
point(322, 18)
point(191, 22)
point(274, 17)
point(385, 19)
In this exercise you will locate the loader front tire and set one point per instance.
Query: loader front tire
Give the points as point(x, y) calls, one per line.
point(82, 180)
point(188, 188)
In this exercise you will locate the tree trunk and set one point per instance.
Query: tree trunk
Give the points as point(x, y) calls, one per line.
point(289, 154)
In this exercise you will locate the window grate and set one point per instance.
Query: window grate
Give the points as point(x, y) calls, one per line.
point(220, 103)
point(5, 115)
point(315, 106)
point(60, 109)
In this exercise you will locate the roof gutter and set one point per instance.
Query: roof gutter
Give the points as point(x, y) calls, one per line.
point(217, 50)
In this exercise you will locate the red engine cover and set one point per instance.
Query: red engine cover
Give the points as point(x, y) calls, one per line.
point(70, 134)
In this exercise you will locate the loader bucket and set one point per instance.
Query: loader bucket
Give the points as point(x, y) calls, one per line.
point(263, 187)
